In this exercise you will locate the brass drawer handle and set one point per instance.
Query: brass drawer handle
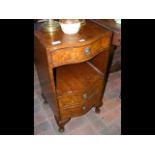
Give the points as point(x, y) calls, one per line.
point(87, 51)
point(84, 108)
point(84, 96)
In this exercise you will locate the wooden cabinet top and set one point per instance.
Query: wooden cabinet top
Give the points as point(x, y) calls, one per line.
point(109, 24)
point(88, 33)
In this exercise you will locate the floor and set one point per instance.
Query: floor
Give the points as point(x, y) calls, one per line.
point(107, 122)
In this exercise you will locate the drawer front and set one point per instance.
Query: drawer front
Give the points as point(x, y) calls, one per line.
point(70, 105)
point(70, 101)
point(75, 105)
point(94, 95)
point(78, 54)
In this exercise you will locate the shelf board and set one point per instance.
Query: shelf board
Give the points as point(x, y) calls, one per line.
point(76, 77)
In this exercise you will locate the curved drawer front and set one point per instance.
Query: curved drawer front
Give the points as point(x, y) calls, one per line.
point(78, 54)
point(78, 104)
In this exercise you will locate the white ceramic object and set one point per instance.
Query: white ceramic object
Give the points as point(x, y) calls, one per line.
point(70, 28)
point(118, 21)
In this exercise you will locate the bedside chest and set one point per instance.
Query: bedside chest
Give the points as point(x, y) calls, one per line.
point(73, 69)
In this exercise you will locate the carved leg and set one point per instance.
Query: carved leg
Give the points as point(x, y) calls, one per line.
point(97, 107)
point(45, 101)
point(97, 110)
point(61, 123)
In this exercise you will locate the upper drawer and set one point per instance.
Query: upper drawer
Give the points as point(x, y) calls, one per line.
point(79, 54)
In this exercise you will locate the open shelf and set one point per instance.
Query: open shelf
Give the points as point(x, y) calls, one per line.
point(76, 77)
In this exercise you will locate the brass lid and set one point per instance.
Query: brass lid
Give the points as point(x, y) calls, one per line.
point(50, 26)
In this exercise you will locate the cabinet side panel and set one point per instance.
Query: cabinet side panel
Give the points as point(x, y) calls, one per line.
point(101, 60)
point(45, 75)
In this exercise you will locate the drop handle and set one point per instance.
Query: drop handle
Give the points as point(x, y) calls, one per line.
point(87, 51)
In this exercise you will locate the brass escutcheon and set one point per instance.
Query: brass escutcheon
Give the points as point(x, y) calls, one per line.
point(87, 51)
point(84, 108)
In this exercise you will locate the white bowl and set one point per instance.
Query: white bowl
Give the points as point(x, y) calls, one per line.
point(72, 28)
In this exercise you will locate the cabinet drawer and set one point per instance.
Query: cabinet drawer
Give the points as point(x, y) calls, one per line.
point(79, 54)
point(73, 105)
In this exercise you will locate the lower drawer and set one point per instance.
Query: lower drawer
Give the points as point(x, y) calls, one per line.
point(79, 87)
point(76, 105)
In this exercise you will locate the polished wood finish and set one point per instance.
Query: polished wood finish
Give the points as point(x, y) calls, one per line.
point(110, 24)
point(73, 73)
point(79, 87)
point(78, 54)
